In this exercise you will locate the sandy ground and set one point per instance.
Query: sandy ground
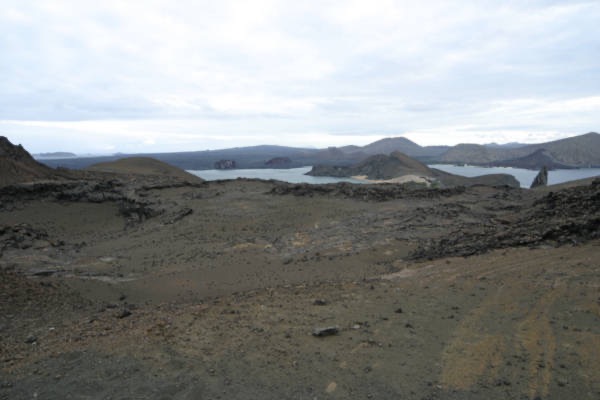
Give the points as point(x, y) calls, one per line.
point(401, 179)
point(219, 293)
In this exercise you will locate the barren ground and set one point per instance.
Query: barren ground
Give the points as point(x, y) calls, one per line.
point(213, 290)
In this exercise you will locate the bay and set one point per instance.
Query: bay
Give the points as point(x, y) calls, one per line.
point(297, 175)
point(292, 175)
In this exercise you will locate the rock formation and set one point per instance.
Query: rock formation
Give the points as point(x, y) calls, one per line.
point(17, 165)
point(541, 179)
point(225, 164)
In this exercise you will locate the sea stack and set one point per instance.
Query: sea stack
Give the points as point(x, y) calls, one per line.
point(541, 179)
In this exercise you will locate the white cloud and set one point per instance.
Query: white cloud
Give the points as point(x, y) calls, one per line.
point(272, 68)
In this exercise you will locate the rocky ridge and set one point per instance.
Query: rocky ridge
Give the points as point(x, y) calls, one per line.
point(570, 216)
point(17, 165)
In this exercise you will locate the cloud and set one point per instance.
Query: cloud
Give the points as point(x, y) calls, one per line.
point(272, 66)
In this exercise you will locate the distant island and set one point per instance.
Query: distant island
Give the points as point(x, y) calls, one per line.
point(581, 151)
point(56, 154)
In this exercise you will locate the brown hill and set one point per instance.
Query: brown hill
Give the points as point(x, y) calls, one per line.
point(377, 167)
point(144, 166)
point(575, 152)
point(17, 165)
point(388, 167)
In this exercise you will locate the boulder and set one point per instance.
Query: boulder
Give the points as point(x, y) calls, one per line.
point(541, 179)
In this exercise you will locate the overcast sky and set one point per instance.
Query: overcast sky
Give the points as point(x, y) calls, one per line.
point(146, 76)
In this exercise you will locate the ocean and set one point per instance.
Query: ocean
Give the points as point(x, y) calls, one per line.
point(524, 176)
point(297, 175)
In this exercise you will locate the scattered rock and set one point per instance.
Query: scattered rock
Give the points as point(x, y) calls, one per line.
point(44, 273)
point(320, 302)
point(179, 215)
point(366, 192)
point(331, 387)
point(327, 331)
point(561, 381)
point(31, 339)
point(124, 313)
point(566, 217)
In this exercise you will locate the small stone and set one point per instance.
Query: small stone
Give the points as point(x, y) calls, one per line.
point(124, 313)
point(398, 310)
point(320, 302)
point(327, 331)
point(331, 387)
point(31, 339)
point(562, 381)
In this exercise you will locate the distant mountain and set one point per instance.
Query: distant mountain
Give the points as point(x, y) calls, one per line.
point(532, 161)
point(57, 154)
point(574, 152)
point(401, 144)
point(389, 145)
point(466, 153)
point(511, 145)
point(377, 167)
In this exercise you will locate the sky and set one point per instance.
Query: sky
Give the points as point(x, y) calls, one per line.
point(145, 76)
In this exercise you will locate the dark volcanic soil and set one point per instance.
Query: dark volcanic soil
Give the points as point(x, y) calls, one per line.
point(138, 288)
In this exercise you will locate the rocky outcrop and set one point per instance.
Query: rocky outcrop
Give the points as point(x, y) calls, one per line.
point(21, 236)
point(17, 165)
point(134, 202)
point(541, 178)
point(225, 164)
point(331, 170)
point(366, 192)
point(570, 216)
